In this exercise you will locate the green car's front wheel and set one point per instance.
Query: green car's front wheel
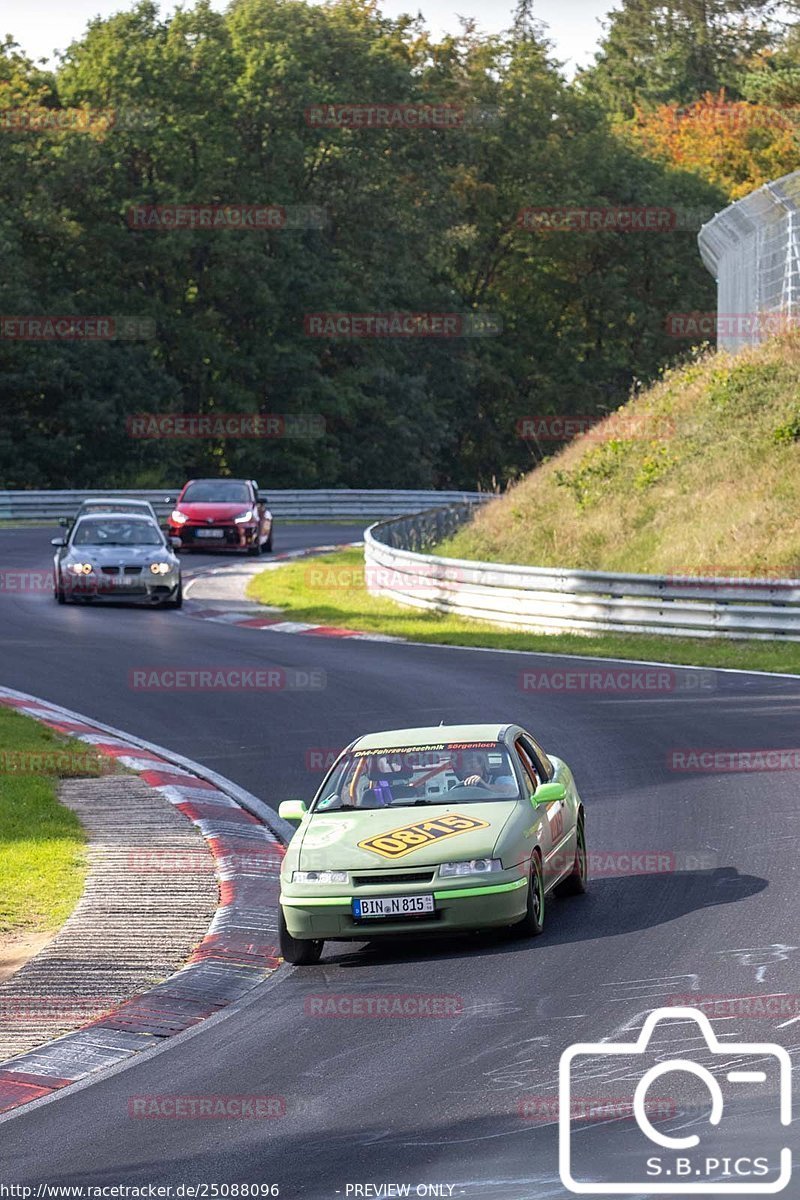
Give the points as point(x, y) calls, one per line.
point(575, 882)
point(532, 923)
point(300, 952)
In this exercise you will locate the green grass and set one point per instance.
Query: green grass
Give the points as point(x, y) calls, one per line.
point(41, 842)
point(330, 590)
point(698, 475)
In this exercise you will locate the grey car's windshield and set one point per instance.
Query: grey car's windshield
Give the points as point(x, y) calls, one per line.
point(116, 532)
point(216, 491)
point(107, 506)
point(398, 778)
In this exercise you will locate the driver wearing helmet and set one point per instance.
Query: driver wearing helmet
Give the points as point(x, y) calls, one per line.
point(473, 770)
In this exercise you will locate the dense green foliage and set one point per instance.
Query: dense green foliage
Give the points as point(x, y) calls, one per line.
point(418, 220)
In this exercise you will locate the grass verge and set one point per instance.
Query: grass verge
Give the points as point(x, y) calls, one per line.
point(330, 590)
point(41, 842)
point(698, 475)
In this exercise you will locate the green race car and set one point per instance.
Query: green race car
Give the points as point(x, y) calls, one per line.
point(434, 830)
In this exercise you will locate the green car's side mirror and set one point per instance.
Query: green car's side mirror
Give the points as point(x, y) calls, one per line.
point(292, 810)
point(547, 793)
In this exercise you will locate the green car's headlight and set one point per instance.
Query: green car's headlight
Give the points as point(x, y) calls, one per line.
point(319, 877)
point(473, 866)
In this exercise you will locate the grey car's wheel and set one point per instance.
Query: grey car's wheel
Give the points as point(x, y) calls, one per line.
point(575, 882)
point(60, 595)
point(177, 601)
point(297, 951)
point(532, 923)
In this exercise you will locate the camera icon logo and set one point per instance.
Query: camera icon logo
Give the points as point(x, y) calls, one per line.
point(676, 1170)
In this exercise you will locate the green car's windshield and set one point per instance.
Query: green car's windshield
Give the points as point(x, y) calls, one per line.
point(398, 778)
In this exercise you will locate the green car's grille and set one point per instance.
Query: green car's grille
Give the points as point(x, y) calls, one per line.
point(386, 877)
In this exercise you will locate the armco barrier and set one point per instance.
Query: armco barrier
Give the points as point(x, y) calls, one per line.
point(552, 600)
point(289, 503)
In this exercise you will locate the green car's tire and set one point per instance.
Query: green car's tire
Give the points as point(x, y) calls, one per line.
point(532, 923)
point(575, 882)
point(297, 951)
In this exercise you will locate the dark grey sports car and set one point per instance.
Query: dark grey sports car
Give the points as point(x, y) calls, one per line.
point(117, 556)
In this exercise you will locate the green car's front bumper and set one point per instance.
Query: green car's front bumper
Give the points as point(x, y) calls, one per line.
point(464, 905)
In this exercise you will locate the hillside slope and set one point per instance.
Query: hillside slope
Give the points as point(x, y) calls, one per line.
point(698, 475)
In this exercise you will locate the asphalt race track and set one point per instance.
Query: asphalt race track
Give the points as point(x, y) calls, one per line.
point(437, 1101)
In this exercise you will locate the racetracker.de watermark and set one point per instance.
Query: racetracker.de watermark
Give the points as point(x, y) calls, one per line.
point(617, 680)
point(779, 1005)
point(743, 326)
point(55, 762)
point(598, 219)
point(215, 1107)
point(54, 328)
point(257, 217)
point(616, 864)
point(226, 679)
point(55, 1010)
point(355, 1004)
point(715, 760)
point(76, 120)
point(401, 324)
point(321, 758)
point(151, 426)
point(17, 581)
point(546, 1109)
point(585, 218)
point(414, 579)
point(549, 427)
point(14, 581)
point(372, 115)
point(724, 575)
point(152, 860)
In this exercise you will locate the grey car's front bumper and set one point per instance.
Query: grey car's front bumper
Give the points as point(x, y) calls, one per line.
point(145, 587)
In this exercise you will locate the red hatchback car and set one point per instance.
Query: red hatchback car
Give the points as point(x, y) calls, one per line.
point(223, 514)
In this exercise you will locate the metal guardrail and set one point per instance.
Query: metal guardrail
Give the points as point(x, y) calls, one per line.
point(544, 599)
point(289, 503)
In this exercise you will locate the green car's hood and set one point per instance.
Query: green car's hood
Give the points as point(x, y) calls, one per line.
point(440, 833)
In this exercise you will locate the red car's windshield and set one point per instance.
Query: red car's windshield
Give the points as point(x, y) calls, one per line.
point(216, 491)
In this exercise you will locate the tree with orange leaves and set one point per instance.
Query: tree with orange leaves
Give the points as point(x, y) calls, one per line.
point(734, 145)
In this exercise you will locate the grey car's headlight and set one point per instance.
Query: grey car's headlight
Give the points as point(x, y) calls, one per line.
point(159, 568)
point(473, 866)
point(319, 877)
point(80, 568)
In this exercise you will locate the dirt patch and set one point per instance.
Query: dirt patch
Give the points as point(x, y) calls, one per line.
point(17, 948)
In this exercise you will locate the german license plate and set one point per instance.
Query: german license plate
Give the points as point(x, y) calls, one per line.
point(392, 906)
point(211, 533)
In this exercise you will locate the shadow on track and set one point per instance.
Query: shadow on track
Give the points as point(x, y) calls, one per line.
point(610, 908)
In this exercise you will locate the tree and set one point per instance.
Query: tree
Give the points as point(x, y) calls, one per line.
point(675, 51)
point(734, 146)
